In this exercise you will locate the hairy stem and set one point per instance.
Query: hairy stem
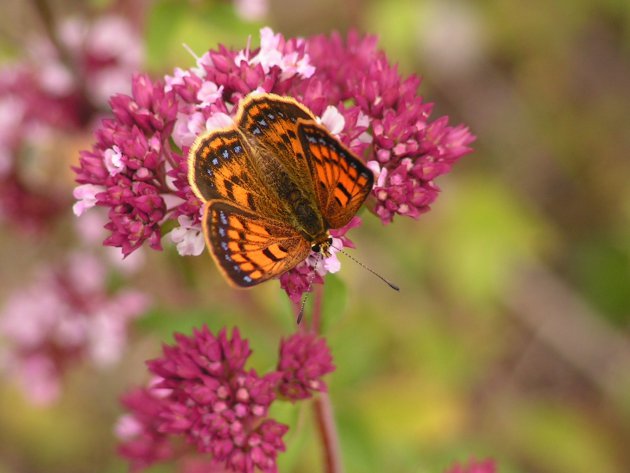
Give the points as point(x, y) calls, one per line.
point(48, 22)
point(43, 10)
point(328, 433)
point(322, 405)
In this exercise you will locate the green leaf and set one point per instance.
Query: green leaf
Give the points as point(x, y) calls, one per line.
point(335, 299)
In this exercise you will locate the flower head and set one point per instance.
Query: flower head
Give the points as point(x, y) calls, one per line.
point(203, 392)
point(474, 466)
point(43, 99)
point(216, 404)
point(304, 360)
point(66, 315)
point(141, 441)
point(348, 83)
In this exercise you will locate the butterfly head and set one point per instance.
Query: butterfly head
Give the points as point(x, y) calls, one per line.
point(323, 246)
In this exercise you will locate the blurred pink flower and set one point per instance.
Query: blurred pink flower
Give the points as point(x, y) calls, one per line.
point(348, 82)
point(474, 466)
point(65, 316)
point(42, 99)
point(252, 10)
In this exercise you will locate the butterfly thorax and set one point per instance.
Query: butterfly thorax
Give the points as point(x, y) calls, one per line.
point(299, 205)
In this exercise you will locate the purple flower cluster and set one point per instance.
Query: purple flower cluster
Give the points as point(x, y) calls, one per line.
point(142, 443)
point(474, 466)
point(304, 360)
point(128, 164)
point(141, 177)
point(43, 98)
point(65, 316)
point(204, 393)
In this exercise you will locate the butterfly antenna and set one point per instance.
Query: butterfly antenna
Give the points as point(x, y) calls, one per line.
point(310, 286)
point(249, 42)
point(301, 313)
point(390, 284)
point(190, 51)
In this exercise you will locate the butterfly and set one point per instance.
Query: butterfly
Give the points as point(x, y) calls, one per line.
point(272, 185)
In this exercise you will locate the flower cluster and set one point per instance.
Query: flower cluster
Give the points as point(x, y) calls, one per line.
point(203, 393)
point(304, 360)
point(474, 466)
point(67, 315)
point(56, 94)
point(135, 171)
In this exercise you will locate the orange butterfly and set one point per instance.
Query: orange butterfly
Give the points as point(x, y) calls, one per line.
point(273, 185)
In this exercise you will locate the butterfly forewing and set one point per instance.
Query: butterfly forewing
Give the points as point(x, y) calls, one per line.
point(270, 124)
point(219, 168)
point(342, 182)
point(248, 248)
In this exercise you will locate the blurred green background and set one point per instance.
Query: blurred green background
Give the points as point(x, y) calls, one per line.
point(509, 337)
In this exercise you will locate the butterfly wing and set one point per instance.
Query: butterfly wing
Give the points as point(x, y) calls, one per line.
point(270, 123)
point(242, 222)
point(245, 223)
point(250, 249)
point(219, 167)
point(342, 182)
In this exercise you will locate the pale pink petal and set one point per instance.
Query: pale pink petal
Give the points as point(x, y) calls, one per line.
point(252, 10)
point(187, 128)
point(188, 237)
point(86, 197)
point(209, 93)
point(39, 380)
point(127, 427)
point(333, 120)
point(113, 160)
point(380, 174)
point(219, 120)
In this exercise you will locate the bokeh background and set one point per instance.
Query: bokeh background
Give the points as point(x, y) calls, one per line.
point(509, 338)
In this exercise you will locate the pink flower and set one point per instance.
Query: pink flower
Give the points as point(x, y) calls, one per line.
point(141, 441)
point(63, 317)
point(304, 360)
point(217, 405)
point(348, 82)
point(204, 394)
point(474, 466)
point(86, 197)
point(252, 10)
point(188, 237)
point(41, 99)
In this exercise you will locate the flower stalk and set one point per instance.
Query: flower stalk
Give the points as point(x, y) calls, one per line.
point(322, 404)
point(327, 428)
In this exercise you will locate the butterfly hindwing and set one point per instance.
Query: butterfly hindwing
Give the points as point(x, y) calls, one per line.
point(342, 182)
point(250, 249)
